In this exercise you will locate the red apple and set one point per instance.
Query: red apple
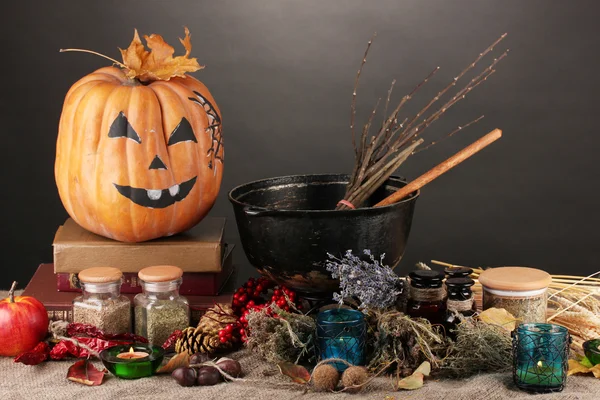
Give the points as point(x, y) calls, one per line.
point(23, 323)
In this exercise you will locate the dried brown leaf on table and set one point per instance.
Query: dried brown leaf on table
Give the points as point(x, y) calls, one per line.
point(298, 373)
point(158, 63)
point(415, 381)
point(500, 317)
point(85, 373)
point(179, 360)
point(577, 367)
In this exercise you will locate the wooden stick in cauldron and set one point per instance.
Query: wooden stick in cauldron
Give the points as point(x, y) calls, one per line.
point(441, 168)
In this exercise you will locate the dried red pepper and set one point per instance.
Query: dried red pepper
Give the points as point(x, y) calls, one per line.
point(66, 348)
point(78, 329)
point(35, 356)
point(173, 337)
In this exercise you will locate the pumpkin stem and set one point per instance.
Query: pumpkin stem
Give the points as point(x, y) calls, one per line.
point(11, 292)
point(98, 54)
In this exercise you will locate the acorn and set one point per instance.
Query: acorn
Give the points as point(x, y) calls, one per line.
point(325, 378)
point(354, 376)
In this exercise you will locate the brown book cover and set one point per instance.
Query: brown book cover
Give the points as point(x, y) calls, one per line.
point(199, 249)
point(59, 305)
point(194, 283)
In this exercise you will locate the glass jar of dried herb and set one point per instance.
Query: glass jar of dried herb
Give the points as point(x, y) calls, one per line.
point(159, 309)
point(521, 291)
point(427, 297)
point(101, 303)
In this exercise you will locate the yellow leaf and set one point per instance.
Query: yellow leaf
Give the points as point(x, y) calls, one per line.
point(596, 370)
point(575, 367)
point(500, 317)
point(158, 63)
point(298, 373)
point(415, 381)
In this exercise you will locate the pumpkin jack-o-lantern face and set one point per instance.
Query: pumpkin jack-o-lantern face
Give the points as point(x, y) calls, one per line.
point(153, 197)
point(136, 162)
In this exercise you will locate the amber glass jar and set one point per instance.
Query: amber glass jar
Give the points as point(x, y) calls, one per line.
point(427, 296)
point(101, 303)
point(460, 302)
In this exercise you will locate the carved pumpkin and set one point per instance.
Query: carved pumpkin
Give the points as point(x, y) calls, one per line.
point(139, 152)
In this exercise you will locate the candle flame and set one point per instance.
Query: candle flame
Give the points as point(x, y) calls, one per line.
point(131, 350)
point(540, 364)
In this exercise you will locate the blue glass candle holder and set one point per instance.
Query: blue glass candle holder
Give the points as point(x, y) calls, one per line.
point(341, 334)
point(540, 357)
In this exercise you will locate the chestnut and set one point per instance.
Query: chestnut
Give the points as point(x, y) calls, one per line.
point(230, 367)
point(208, 376)
point(185, 376)
point(199, 358)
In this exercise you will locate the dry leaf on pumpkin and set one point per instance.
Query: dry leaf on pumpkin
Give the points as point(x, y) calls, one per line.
point(500, 317)
point(85, 373)
point(415, 381)
point(180, 360)
point(158, 63)
point(298, 373)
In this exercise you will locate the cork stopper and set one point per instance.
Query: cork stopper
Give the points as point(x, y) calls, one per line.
point(100, 275)
point(160, 273)
point(515, 278)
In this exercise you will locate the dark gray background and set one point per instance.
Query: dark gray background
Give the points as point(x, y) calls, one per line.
point(282, 73)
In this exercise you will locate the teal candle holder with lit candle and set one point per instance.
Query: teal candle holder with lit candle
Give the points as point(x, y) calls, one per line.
point(341, 334)
point(132, 361)
point(540, 357)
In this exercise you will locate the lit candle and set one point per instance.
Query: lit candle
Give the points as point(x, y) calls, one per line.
point(341, 334)
point(543, 374)
point(129, 355)
point(540, 357)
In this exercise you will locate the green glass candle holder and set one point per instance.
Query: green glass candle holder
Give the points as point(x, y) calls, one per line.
point(116, 360)
point(591, 348)
point(540, 357)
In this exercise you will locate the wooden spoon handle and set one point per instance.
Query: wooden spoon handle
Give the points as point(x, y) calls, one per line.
point(441, 168)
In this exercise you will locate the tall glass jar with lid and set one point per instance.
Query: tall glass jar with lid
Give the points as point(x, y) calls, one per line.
point(101, 303)
point(159, 309)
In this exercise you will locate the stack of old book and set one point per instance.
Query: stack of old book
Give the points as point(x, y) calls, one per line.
point(207, 262)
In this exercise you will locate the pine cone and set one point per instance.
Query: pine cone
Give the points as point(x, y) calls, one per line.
point(205, 337)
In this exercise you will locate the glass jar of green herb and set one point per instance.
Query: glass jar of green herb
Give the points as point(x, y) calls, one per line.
point(159, 309)
point(101, 303)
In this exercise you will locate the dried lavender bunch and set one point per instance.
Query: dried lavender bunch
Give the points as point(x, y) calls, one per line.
point(374, 284)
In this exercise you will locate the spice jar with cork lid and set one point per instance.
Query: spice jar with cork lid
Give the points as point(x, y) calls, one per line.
point(159, 309)
point(521, 291)
point(427, 297)
point(101, 303)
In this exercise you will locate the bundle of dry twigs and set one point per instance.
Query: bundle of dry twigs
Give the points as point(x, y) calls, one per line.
point(380, 155)
point(573, 302)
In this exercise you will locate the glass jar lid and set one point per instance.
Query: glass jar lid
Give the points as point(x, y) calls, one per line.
point(458, 272)
point(426, 279)
point(100, 275)
point(515, 279)
point(459, 283)
point(160, 273)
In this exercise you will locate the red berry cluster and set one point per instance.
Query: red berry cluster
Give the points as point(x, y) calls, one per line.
point(253, 296)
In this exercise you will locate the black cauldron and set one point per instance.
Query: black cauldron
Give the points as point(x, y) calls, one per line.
point(288, 224)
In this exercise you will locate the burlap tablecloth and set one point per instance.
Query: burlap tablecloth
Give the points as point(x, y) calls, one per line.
point(48, 381)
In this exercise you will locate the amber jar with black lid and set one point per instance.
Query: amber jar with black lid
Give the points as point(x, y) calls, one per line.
point(458, 272)
point(460, 301)
point(427, 296)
